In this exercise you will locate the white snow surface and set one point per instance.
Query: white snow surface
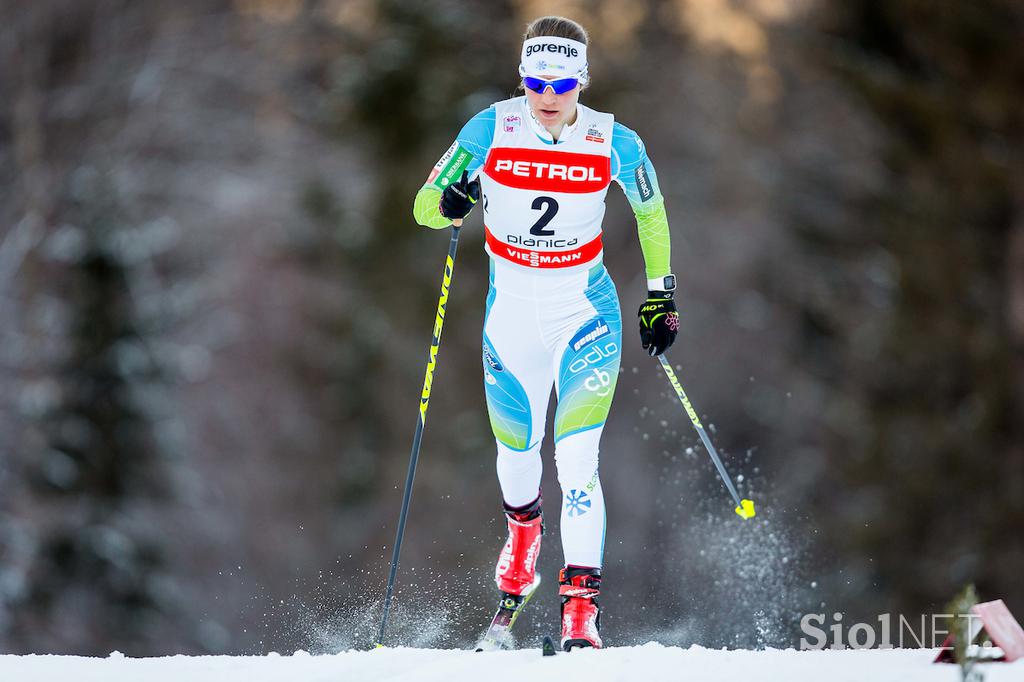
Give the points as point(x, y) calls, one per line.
point(651, 661)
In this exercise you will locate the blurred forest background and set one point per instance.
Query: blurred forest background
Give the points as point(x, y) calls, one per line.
point(215, 309)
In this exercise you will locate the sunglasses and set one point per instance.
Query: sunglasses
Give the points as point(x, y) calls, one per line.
point(560, 86)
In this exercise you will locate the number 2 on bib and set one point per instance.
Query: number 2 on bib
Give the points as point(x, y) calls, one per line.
point(550, 208)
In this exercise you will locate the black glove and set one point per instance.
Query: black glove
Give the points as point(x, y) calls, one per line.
point(659, 322)
point(458, 198)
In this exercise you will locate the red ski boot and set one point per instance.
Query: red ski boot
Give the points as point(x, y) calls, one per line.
point(581, 614)
point(516, 572)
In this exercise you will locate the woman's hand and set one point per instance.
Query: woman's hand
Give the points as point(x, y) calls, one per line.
point(459, 198)
point(659, 322)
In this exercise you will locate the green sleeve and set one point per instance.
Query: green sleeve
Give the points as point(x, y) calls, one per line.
point(425, 210)
point(655, 242)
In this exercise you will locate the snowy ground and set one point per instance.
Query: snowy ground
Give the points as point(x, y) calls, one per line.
point(648, 662)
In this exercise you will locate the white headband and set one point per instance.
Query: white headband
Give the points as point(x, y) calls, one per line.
point(550, 56)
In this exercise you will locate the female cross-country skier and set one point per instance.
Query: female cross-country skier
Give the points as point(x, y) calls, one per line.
point(540, 164)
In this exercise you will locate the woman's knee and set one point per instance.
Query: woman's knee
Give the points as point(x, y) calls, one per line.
point(576, 456)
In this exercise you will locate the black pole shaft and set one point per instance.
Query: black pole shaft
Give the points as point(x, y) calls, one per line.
point(421, 418)
point(401, 527)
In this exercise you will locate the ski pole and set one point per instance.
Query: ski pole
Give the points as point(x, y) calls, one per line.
point(421, 418)
point(745, 508)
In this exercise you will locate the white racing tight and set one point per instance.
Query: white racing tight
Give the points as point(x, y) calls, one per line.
point(545, 328)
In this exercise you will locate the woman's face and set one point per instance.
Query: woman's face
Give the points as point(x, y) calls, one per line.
point(553, 110)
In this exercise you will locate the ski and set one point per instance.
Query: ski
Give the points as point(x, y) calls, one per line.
point(498, 635)
point(548, 646)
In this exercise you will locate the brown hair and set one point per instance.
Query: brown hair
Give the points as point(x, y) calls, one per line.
point(556, 27)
